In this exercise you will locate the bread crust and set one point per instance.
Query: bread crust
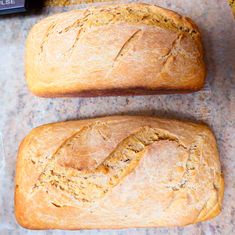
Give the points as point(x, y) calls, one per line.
point(130, 48)
point(117, 172)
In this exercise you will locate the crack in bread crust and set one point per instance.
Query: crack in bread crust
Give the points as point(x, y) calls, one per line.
point(128, 44)
point(90, 185)
point(125, 48)
point(172, 49)
point(47, 35)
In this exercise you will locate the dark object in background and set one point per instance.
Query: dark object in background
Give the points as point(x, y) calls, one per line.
point(14, 6)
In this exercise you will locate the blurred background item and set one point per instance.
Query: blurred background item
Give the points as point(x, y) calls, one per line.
point(15, 6)
point(70, 2)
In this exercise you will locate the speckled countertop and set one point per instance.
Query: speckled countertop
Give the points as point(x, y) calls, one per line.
point(215, 104)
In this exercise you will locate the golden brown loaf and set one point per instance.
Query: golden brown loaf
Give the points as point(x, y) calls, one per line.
point(114, 50)
point(117, 172)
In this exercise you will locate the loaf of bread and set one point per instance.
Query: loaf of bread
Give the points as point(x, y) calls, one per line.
point(114, 50)
point(117, 172)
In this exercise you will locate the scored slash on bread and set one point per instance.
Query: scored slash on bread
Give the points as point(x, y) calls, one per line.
point(86, 185)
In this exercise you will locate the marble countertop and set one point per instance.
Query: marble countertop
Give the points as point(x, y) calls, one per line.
point(20, 111)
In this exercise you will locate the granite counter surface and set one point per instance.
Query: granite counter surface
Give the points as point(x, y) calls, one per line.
point(20, 111)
